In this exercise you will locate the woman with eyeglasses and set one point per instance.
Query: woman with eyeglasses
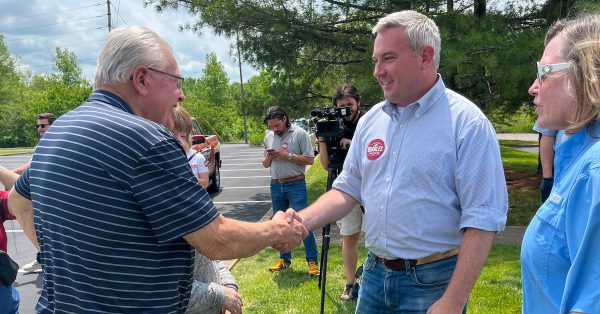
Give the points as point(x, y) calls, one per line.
point(560, 255)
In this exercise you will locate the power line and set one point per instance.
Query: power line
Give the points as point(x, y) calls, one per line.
point(71, 45)
point(38, 26)
point(48, 13)
point(49, 65)
point(38, 36)
point(118, 10)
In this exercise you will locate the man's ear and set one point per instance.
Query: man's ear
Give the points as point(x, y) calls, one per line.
point(427, 55)
point(138, 80)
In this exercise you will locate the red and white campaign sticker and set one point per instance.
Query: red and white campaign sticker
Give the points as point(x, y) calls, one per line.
point(284, 145)
point(375, 149)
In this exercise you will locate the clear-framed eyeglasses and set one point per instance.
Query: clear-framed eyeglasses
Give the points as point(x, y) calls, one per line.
point(543, 70)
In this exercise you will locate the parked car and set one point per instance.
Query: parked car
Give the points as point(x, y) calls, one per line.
point(210, 147)
point(308, 125)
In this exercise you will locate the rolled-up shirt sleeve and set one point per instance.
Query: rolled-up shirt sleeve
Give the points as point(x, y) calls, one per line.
point(480, 181)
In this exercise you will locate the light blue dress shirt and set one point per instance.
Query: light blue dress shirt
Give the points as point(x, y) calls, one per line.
point(559, 135)
point(423, 173)
point(560, 255)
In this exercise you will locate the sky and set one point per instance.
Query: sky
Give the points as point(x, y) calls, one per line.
point(32, 30)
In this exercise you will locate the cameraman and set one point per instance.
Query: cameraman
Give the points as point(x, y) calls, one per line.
point(350, 226)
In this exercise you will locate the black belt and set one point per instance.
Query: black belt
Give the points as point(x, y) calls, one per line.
point(400, 263)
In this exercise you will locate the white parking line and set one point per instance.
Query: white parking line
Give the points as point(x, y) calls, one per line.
point(228, 160)
point(246, 187)
point(250, 164)
point(259, 169)
point(245, 177)
point(241, 202)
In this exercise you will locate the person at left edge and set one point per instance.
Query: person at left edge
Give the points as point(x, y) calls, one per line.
point(9, 296)
point(117, 210)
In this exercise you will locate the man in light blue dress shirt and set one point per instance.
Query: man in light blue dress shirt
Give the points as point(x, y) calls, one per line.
point(425, 163)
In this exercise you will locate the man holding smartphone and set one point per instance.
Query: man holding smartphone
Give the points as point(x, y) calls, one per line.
point(288, 151)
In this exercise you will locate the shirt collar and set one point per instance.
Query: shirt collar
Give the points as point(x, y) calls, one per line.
point(575, 145)
point(111, 99)
point(424, 103)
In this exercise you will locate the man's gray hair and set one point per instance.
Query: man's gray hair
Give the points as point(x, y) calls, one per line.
point(418, 28)
point(126, 48)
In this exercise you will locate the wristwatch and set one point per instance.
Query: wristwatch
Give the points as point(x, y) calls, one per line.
point(290, 156)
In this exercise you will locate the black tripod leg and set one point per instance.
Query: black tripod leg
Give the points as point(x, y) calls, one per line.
point(324, 252)
point(323, 273)
point(331, 175)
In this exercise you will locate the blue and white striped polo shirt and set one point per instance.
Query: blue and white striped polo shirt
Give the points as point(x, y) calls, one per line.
point(113, 194)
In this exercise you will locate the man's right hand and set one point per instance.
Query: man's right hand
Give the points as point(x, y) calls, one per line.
point(292, 231)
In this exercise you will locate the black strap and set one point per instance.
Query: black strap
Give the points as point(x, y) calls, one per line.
point(194, 154)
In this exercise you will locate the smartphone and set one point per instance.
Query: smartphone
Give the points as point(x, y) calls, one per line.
point(270, 150)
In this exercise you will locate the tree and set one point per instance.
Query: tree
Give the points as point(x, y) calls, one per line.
point(309, 47)
point(209, 99)
point(66, 63)
point(12, 111)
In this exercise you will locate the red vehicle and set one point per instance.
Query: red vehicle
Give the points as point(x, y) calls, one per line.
point(209, 146)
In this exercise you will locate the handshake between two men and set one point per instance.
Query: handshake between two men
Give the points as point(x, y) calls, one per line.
point(292, 230)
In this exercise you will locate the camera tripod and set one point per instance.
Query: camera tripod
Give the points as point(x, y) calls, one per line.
point(332, 172)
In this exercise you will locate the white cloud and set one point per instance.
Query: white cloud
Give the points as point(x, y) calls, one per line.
point(33, 28)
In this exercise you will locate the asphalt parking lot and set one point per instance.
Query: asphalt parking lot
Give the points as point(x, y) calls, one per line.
point(244, 195)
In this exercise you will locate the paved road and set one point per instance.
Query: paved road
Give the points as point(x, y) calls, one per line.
point(244, 195)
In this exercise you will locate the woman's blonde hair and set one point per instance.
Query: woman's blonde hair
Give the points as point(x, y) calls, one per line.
point(183, 123)
point(582, 49)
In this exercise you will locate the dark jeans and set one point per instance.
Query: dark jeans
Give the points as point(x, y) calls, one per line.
point(383, 290)
point(294, 195)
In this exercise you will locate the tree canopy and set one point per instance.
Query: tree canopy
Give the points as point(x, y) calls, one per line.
point(309, 47)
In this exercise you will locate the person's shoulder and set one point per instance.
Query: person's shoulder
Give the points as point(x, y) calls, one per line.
point(544, 131)
point(462, 106)
point(298, 131)
point(375, 109)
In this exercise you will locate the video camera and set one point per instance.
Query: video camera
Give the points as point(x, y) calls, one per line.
point(331, 127)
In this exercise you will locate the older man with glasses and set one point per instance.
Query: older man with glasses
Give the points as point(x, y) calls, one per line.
point(117, 209)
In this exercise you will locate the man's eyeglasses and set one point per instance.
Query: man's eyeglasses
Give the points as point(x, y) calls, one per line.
point(180, 79)
point(37, 126)
point(543, 70)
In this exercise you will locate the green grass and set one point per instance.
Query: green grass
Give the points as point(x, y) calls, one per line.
point(316, 180)
point(517, 143)
point(520, 160)
point(498, 290)
point(523, 201)
point(291, 290)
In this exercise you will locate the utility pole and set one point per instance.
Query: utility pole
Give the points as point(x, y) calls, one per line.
point(237, 37)
point(109, 23)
